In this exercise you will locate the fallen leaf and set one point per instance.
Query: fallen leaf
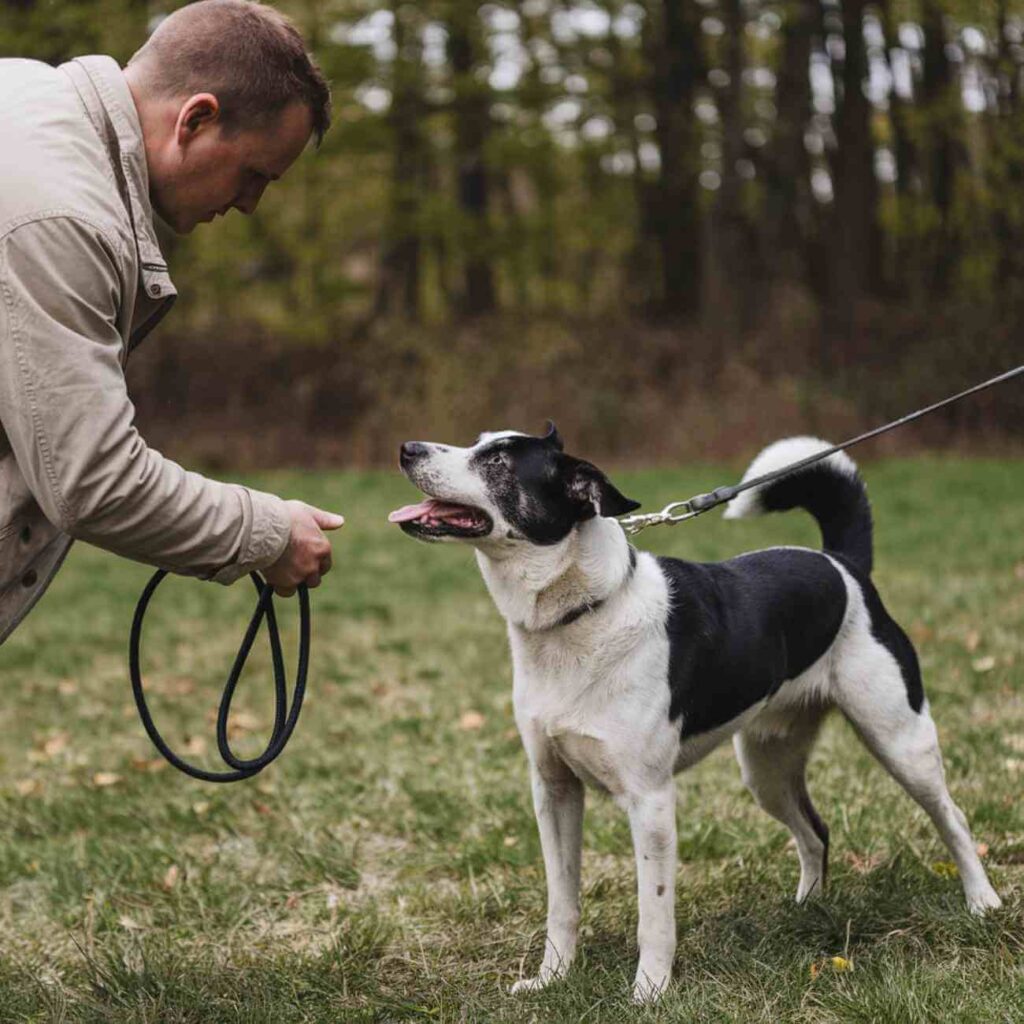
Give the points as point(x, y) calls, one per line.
point(56, 744)
point(106, 779)
point(920, 632)
point(28, 787)
point(170, 878)
point(982, 849)
point(815, 971)
point(471, 720)
point(67, 687)
point(201, 807)
point(129, 923)
point(985, 664)
point(510, 840)
point(945, 869)
point(972, 640)
point(244, 721)
point(863, 865)
point(840, 964)
point(174, 687)
point(261, 808)
point(195, 745)
point(292, 902)
point(148, 764)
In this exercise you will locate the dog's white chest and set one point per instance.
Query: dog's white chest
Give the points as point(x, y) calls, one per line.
point(591, 759)
point(607, 720)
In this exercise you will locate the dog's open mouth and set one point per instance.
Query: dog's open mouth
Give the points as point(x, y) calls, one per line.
point(436, 518)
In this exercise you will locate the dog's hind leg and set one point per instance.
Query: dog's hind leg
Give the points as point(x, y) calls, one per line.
point(773, 768)
point(875, 701)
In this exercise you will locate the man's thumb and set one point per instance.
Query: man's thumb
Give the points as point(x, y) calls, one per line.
point(327, 520)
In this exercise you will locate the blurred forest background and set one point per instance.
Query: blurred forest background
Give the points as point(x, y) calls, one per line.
point(677, 227)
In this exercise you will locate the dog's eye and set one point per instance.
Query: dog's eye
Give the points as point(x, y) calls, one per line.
point(498, 458)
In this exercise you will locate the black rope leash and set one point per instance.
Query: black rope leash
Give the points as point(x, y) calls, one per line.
point(681, 511)
point(285, 718)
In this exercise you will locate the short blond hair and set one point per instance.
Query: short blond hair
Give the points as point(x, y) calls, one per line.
point(249, 55)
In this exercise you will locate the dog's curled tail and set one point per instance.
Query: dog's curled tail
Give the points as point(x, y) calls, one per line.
point(831, 490)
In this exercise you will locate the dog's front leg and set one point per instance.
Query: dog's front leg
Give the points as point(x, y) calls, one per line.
point(558, 805)
point(652, 820)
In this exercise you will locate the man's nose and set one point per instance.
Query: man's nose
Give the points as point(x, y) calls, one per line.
point(412, 451)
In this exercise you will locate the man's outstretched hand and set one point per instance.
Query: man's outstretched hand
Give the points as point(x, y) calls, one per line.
point(307, 558)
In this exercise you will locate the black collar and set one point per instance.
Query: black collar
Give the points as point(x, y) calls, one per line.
point(591, 606)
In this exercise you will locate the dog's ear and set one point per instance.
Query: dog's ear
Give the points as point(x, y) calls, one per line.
point(552, 436)
point(589, 486)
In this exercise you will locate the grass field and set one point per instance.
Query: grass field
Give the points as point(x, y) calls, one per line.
point(388, 869)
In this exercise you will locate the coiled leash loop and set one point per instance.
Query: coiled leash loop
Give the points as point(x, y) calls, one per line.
point(285, 718)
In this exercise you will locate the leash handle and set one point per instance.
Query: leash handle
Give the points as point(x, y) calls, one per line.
point(285, 718)
point(701, 503)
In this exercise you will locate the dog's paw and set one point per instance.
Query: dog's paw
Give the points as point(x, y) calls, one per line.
point(981, 902)
point(647, 988)
point(810, 889)
point(530, 985)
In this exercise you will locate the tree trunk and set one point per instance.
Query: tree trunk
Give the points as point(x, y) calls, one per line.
point(471, 109)
point(399, 290)
point(854, 236)
point(942, 107)
point(672, 40)
point(790, 212)
point(1005, 171)
point(906, 158)
point(733, 284)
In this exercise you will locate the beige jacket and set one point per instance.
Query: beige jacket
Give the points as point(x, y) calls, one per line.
point(82, 280)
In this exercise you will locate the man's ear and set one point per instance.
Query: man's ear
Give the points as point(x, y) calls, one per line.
point(197, 112)
point(588, 485)
point(552, 436)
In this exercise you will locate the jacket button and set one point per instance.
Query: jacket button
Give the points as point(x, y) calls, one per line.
point(29, 579)
point(26, 534)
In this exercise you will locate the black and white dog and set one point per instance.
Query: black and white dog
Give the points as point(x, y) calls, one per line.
point(629, 668)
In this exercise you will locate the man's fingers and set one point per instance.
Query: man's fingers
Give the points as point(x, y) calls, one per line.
point(327, 520)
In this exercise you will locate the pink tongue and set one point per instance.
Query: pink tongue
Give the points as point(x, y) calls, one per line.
point(431, 507)
point(410, 512)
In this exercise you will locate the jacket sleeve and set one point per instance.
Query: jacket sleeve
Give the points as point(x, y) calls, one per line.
point(65, 409)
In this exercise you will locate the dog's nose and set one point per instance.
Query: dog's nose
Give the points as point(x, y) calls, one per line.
point(413, 450)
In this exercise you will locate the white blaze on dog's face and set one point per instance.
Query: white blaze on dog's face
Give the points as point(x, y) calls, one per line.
point(507, 487)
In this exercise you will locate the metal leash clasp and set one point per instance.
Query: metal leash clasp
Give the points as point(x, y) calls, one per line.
point(673, 512)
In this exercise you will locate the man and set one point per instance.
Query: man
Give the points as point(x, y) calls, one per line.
point(219, 102)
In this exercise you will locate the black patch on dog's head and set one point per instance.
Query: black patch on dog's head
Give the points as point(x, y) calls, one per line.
point(542, 492)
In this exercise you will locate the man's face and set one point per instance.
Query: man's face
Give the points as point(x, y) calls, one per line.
point(209, 171)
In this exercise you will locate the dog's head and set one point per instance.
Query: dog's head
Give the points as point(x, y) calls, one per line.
point(507, 487)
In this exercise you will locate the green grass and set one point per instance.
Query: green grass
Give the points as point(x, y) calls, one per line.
point(388, 869)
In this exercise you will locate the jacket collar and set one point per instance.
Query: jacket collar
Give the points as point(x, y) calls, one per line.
point(111, 108)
